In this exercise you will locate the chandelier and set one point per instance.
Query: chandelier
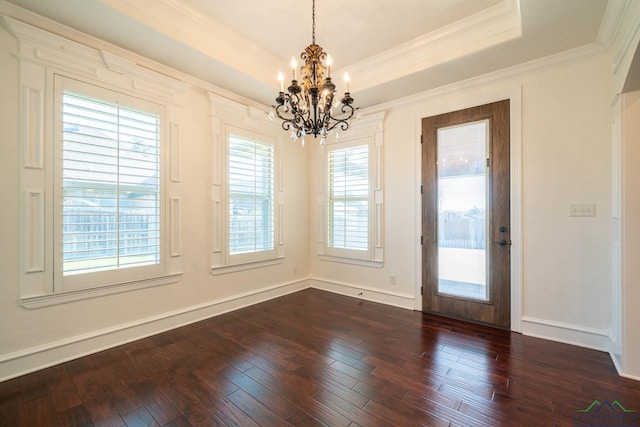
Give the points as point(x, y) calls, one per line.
point(308, 107)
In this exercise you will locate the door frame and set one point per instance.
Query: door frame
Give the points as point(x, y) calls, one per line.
point(441, 103)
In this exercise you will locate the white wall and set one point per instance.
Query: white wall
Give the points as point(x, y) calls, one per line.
point(32, 338)
point(565, 136)
point(630, 235)
point(565, 159)
point(624, 343)
point(625, 337)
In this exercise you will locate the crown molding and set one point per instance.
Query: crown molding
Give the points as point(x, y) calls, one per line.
point(10, 10)
point(559, 60)
point(487, 28)
point(626, 35)
point(201, 32)
point(611, 21)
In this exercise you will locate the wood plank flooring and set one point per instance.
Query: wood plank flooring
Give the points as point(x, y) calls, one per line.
point(314, 358)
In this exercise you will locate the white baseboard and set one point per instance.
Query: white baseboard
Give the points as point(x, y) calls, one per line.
point(365, 293)
point(631, 377)
point(616, 362)
point(32, 359)
point(596, 339)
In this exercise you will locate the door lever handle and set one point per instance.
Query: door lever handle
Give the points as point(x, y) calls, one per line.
point(503, 242)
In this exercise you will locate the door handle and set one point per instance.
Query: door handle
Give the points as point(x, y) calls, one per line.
point(503, 242)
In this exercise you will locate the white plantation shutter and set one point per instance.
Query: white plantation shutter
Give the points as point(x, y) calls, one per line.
point(251, 196)
point(111, 186)
point(348, 198)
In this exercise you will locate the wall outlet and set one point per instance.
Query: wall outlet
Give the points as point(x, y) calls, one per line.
point(392, 279)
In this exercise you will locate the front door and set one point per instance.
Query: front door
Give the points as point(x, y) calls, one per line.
point(466, 214)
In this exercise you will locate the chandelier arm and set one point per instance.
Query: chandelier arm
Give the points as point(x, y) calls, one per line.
point(343, 121)
point(287, 122)
point(346, 112)
point(343, 125)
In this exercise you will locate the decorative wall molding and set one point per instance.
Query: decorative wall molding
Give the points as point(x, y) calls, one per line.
point(64, 297)
point(34, 244)
point(369, 130)
point(175, 228)
point(46, 60)
point(175, 172)
point(227, 117)
point(32, 359)
point(33, 128)
point(567, 333)
point(42, 47)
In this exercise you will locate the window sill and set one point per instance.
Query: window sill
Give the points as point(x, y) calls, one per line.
point(82, 294)
point(354, 261)
point(225, 269)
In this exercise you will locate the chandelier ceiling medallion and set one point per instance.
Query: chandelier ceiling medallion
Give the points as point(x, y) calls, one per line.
point(308, 107)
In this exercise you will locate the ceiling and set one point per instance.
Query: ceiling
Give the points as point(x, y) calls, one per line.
point(391, 48)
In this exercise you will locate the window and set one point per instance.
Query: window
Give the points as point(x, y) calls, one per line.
point(348, 172)
point(251, 196)
point(351, 202)
point(108, 187)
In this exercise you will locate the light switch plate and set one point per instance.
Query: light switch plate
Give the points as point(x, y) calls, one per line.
point(583, 209)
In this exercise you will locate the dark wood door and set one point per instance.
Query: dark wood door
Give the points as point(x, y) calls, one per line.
point(466, 214)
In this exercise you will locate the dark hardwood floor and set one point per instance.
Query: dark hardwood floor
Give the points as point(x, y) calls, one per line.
point(315, 358)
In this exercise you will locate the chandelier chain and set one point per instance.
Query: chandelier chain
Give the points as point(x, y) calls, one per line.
point(313, 22)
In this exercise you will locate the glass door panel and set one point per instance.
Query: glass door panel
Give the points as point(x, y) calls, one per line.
point(462, 194)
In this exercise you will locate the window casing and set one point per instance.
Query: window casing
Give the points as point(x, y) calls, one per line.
point(49, 67)
point(108, 191)
point(247, 192)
